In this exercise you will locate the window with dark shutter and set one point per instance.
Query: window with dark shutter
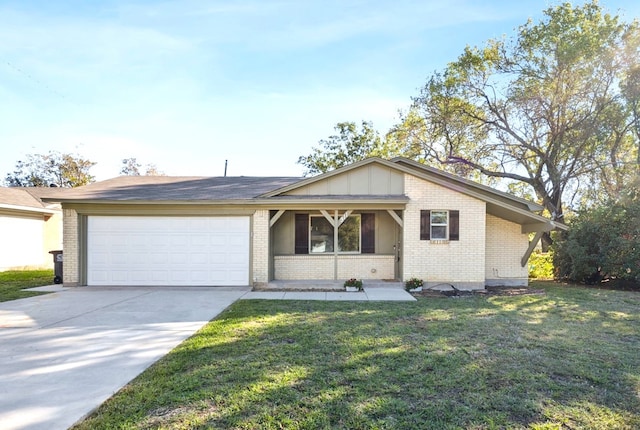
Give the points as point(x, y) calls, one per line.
point(454, 225)
point(302, 234)
point(425, 225)
point(368, 233)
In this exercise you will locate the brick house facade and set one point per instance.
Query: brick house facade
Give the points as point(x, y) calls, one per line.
point(375, 219)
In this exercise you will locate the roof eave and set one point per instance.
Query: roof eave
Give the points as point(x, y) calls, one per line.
point(414, 165)
point(19, 208)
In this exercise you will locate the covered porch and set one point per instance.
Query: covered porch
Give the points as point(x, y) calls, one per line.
point(323, 246)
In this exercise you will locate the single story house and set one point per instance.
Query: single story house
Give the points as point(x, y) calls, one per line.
point(29, 228)
point(374, 220)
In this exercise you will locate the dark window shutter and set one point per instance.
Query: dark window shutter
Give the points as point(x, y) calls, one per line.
point(425, 225)
point(454, 225)
point(302, 234)
point(368, 233)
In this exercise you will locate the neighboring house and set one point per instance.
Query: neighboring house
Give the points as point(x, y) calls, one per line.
point(29, 228)
point(395, 220)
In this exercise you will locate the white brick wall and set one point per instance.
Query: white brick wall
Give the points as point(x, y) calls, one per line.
point(462, 262)
point(300, 267)
point(295, 267)
point(260, 247)
point(366, 266)
point(70, 264)
point(505, 246)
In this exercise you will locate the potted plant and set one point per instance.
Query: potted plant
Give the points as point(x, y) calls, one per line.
point(353, 284)
point(414, 285)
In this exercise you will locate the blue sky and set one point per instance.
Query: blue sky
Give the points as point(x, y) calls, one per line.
point(187, 85)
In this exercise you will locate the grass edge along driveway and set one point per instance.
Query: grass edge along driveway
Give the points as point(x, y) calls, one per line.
point(12, 283)
point(565, 359)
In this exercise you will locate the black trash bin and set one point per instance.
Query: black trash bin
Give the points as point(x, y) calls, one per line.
point(57, 266)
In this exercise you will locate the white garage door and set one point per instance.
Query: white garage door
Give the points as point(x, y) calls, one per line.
point(167, 250)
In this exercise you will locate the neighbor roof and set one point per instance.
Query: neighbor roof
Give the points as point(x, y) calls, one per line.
point(24, 199)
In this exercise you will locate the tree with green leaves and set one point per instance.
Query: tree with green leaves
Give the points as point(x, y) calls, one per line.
point(347, 146)
point(555, 107)
point(603, 244)
point(51, 169)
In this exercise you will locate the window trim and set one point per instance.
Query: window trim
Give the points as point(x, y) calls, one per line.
point(445, 224)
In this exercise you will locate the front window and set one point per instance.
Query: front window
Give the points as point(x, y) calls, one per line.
point(321, 235)
point(439, 224)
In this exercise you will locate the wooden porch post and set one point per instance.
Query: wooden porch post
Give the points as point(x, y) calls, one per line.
point(335, 245)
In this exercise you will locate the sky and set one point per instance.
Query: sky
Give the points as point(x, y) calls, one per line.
point(187, 85)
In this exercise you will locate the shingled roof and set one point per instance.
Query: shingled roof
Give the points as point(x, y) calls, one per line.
point(175, 188)
point(26, 198)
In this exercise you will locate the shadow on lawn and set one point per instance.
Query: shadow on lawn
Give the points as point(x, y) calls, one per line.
point(471, 362)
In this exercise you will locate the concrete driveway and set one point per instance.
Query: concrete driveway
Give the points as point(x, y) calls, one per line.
point(63, 354)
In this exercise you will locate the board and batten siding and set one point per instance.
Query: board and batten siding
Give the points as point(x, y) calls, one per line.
point(368, 180)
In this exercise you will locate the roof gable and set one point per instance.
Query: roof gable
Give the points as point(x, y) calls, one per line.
point(464, 185)
point(369, 179)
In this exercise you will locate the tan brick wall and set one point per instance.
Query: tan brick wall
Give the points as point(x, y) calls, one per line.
point(297, 267)
point(462, 262)
point(321, 267)
point(366, 266)
point(505, 246)
point(70, 265)
point(260, 247)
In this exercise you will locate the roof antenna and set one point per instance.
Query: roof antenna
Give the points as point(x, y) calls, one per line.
point(225, 168)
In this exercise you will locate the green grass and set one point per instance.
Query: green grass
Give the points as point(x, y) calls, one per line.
point(565, 360)
point(12, 283)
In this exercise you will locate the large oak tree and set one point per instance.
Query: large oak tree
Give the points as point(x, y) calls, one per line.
point(555, 107)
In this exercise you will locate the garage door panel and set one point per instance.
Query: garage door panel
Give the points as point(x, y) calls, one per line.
point(168, 250)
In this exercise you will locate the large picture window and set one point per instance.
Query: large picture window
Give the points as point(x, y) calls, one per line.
point(321, 235)
point(314, 234)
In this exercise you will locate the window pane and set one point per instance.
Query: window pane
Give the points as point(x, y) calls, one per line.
point(349, 235)
point(438, 217)
point(438, 232)
point(321, 235)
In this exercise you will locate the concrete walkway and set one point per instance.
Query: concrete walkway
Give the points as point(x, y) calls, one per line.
point(369, 294)
point(63, 354)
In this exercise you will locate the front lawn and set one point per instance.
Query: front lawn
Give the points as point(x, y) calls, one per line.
point(564, 360)
point(12, 283)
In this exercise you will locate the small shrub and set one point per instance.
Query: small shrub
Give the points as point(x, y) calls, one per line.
point(413, 283)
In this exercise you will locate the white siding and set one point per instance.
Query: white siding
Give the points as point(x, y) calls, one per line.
point(21, 241)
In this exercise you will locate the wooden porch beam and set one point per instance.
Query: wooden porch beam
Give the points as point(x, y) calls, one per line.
point(328, 217)
point(532, 246)
point(395, 216)
point(276, 217)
